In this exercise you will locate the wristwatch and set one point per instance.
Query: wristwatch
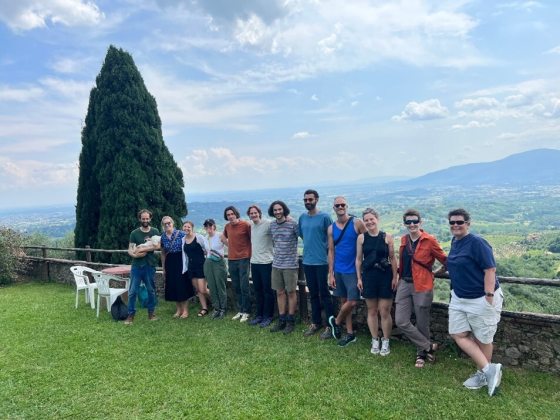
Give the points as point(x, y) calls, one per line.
point(489, 294)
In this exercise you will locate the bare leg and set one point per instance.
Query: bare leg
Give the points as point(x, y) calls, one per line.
point(487, 349)
point(202, 292)
point(386, 320)
point(372, 317)
point(282, 301)
point(292, 302)
point(467, 343)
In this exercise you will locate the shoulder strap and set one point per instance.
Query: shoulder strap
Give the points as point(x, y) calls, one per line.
point(343, 230)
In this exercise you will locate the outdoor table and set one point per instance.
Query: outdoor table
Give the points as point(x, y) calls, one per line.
point(120, 270)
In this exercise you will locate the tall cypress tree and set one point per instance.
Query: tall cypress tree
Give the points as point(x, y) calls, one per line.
point(124, 163)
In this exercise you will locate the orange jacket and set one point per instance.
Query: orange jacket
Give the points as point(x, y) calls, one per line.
point(427, 251)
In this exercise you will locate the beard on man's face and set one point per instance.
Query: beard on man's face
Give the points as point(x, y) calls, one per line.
point(145, 224)
point(310, 206)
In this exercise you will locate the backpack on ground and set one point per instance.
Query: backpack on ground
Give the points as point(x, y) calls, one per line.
point(119, 310)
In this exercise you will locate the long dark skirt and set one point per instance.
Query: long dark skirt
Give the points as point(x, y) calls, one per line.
point(178, 287)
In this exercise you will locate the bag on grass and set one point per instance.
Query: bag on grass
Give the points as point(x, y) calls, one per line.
point(143, 296)
point(119, 310)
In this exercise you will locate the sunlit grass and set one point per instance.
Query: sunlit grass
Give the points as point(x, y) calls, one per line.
point(56, 361)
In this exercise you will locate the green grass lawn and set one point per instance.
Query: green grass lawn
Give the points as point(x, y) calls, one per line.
point(56, 361)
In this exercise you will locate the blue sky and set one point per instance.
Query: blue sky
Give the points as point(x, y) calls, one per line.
point(275, 93)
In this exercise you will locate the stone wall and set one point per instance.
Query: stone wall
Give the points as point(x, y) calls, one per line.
point(530, 341)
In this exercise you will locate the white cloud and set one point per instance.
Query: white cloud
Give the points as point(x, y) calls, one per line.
point(471, 124)
point(302, 135)
point(476, 103)
point(427, 110)
point(219, 161)
point(23, 15)
point(69, 65)
point(555, 50)
point(314, 97)
point(10, 94)
point(32, 173)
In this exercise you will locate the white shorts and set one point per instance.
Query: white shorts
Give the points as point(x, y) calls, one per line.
point(476, 315)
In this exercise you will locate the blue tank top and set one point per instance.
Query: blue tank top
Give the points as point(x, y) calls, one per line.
point(345, 250)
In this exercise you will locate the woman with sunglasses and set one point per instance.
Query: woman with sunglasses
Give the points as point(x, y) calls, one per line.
point(177, 288)
point(417, 254)
point(476, 300)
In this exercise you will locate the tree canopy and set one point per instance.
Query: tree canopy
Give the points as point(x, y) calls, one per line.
point(124, 164)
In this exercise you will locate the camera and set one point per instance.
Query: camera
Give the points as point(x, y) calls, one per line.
point(382, 265)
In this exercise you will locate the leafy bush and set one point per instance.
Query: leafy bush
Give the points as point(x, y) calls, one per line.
point(10, 252)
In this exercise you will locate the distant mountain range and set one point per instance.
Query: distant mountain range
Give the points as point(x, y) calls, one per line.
point(539, 166)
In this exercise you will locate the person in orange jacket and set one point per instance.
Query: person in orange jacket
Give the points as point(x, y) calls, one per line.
point(417, 253)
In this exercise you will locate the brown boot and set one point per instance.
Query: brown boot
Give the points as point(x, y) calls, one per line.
point(129, 320)
point(152, 316)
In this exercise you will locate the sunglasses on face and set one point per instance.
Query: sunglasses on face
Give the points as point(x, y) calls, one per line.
point(411, 222)
point(167, 224)
point(457, 222)
point(339, 206)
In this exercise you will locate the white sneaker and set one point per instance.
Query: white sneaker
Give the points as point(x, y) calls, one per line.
point(244, 318)
point(237, 316)
point(385, 350)
point(493, 377)
point(476, 381)
point(375, 345)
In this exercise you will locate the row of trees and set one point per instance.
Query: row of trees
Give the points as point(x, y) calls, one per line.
point(124, 163)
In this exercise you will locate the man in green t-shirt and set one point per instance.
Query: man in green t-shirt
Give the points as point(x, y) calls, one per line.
point(143, 266)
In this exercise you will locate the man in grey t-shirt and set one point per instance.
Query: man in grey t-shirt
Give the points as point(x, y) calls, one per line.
point(284, 265)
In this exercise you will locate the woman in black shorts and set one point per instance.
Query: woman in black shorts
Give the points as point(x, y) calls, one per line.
point(195, 250)
point(376, 266)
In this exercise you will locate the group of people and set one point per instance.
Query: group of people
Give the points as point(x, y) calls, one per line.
point(349, 257)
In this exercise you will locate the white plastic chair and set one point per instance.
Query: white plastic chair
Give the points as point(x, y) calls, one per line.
point(104, 290)
point(83, 283)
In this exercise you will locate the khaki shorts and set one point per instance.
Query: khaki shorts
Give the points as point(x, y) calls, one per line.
point(284, 279)
point(476, 315)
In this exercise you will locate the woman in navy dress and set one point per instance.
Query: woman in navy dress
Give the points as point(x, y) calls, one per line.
point(177, 288)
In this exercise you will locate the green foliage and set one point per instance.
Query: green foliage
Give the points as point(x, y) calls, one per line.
point(78, 366)
point(10, 252)
point(124, 163)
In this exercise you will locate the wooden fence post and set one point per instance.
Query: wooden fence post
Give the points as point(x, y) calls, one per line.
point(47, 268)
point(303, 312)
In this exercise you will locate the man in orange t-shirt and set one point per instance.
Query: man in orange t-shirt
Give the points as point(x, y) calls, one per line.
point(237, 237)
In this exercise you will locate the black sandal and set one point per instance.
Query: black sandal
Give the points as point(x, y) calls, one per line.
point(203, 312)
point(431, 354)
point(420, 361)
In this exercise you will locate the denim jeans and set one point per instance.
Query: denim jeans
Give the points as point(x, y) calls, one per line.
point(261, 275)
point(145, 274)
point(316, 277)
point(239, 272)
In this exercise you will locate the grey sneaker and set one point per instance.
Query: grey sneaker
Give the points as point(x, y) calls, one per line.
point(385, 349)
point(335, 329)
point(493, 377)
point(244, 317)
point(476, 381)
point(348, 338)
point(325, 335)
point(313, 328)
point(237, 316)
point(375, 345)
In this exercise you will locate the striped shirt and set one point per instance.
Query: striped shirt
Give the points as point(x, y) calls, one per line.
point(284, 241)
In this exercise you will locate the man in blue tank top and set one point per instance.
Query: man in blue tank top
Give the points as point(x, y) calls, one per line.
point(342, 235)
